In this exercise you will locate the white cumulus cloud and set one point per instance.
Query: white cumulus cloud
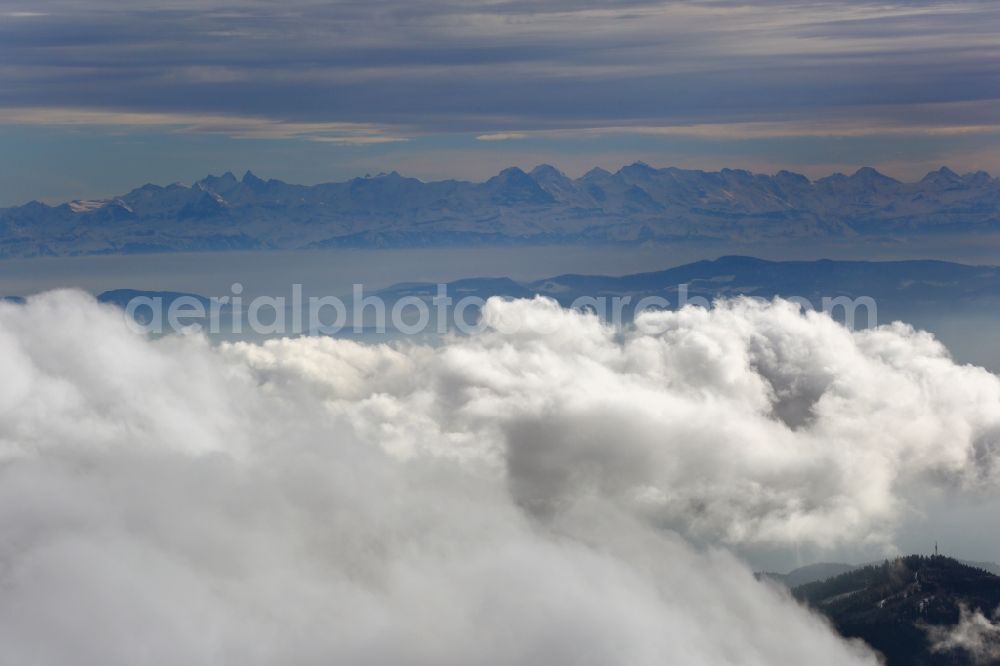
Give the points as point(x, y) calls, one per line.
point(509, 497)
point(976, 635)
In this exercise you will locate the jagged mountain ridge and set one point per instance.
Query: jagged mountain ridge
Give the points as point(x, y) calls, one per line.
point(635, 204)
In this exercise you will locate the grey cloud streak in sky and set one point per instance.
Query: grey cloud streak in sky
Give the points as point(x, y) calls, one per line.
point(422, 67)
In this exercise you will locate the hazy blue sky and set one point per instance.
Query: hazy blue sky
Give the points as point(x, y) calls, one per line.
point(99, 96)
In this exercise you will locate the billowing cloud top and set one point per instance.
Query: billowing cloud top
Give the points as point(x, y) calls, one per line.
point(518, 496)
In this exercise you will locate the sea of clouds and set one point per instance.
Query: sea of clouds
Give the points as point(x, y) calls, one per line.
point(563, 493)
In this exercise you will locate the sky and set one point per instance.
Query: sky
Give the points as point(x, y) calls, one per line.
point(97, 97)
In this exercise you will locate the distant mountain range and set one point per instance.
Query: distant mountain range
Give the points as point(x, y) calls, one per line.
point(810, 573)
point(813, 573)
point(637, 203)
point(894, 285)
point(898, 287)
